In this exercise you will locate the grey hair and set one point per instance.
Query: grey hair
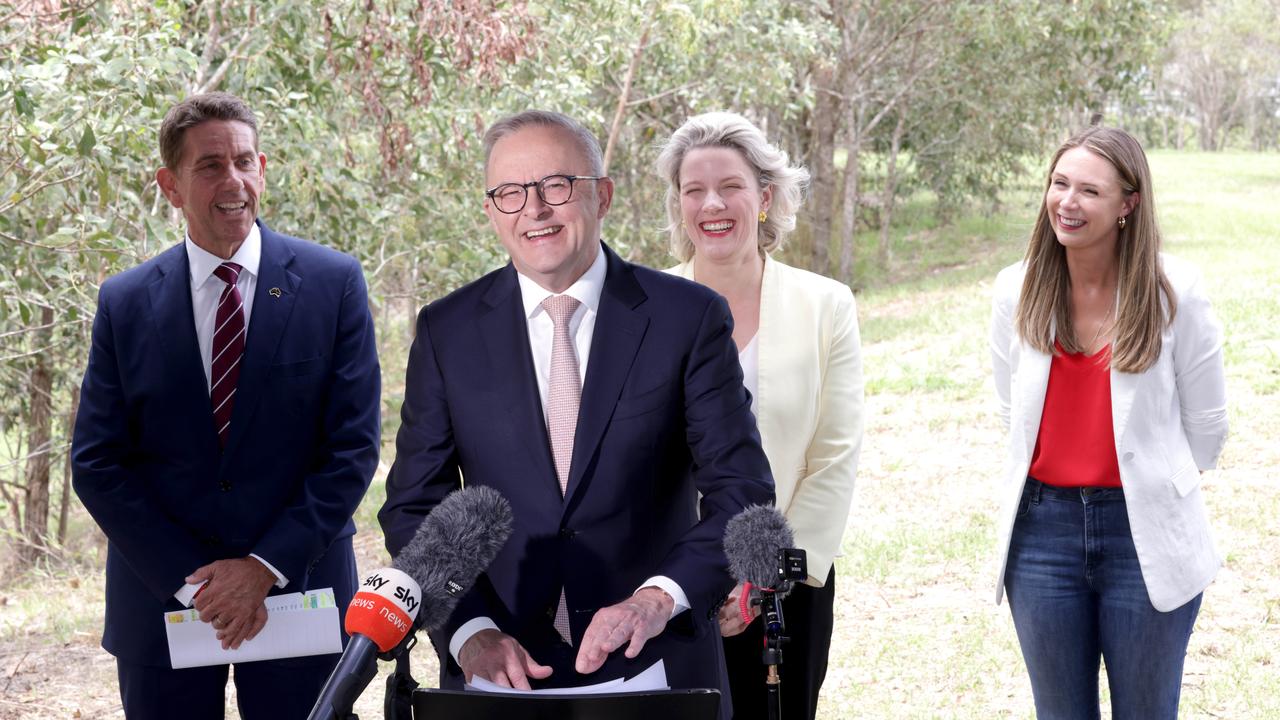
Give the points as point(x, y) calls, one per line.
point(770, 164)
point(512, 124)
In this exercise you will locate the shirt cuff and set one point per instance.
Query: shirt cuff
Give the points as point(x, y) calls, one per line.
point(666, 584)
point(281, 580)
point(464, 633)
point(187, 594)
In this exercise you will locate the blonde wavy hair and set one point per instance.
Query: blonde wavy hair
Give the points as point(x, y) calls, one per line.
point(771, 165)
point(1145, 299)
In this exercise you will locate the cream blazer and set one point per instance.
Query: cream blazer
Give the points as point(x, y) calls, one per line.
point(809, 403)
point(1170, 423)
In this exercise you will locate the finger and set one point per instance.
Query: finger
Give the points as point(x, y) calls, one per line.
point(201, 574)
point(534, 670)
point(590, 658)
point(515, 673)
point(585, 663)
point(228, 635)
point(499, 679)
point(259, 622)
point(638, 638)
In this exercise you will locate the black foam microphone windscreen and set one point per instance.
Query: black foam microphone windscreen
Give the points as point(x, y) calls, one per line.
point(455, 543)
point(752, 540)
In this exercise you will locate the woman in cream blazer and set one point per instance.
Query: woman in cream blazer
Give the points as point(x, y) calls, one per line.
point(731, 199)
point(1092, 569)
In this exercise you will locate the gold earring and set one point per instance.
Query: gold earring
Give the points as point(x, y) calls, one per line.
point(1120, 222)
point(763, 216)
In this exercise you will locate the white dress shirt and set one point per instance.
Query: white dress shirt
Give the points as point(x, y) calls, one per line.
point(206, 288)
point(582, 325)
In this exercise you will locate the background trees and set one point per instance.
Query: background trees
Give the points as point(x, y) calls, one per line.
point(372, 113)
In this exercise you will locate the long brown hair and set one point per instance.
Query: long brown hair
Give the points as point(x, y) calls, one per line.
point(1044, 306)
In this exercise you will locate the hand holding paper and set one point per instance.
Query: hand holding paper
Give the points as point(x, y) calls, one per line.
point(232, 599)
point(296, 625)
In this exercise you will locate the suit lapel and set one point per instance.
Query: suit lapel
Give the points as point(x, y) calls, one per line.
point(1124, 387)
point(1034, 367)
point(266, 328)
point(618, 332)
point(505, 335)
point(770, 333)
point(174, 322)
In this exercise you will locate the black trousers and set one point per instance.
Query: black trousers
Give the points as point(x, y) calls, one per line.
point(809, 615)
point(265, 690)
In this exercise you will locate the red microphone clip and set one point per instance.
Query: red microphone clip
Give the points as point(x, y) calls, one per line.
point(744, 603)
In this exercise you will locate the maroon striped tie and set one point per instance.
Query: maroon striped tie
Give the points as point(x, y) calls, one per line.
point(228, 347)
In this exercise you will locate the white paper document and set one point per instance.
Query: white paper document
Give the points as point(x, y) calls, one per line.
point(653, 678)
point(298, 624)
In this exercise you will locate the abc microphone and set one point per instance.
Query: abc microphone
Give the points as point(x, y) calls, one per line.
point(454, 544)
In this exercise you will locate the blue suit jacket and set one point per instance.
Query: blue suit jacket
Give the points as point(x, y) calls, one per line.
point(302, 449)
point(664, 416)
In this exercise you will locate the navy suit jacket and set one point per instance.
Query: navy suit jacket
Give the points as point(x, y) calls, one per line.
point(663, 417)
point(302, 448)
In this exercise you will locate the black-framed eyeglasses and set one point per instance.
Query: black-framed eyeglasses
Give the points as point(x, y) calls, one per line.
point(510, 198)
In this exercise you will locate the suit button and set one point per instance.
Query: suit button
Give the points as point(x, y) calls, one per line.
point(567, 533)
point(226, 486)
point(1128, 456)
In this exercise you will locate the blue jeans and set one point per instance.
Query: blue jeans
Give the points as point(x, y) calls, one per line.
point(1077, 595)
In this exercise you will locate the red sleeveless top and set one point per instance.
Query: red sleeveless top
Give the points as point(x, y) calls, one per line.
point(1076, 446)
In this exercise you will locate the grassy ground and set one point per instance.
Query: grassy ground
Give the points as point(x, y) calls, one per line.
point(917, 634)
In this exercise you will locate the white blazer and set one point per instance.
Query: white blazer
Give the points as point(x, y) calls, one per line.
point(809, 403)
point(1170, 423)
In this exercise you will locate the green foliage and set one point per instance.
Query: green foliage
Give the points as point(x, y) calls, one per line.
point(371, 116)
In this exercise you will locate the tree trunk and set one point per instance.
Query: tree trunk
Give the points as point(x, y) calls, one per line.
point(625, 95)
point(36, 501)
point(887, 201)
point(65, 502)
point(822, 167)
point(849, 204)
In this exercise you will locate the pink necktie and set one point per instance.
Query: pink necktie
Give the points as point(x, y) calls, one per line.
point(563, 395)
point(228, 348)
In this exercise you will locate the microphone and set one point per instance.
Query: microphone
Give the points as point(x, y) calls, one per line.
point(753, 540)
point(758, 543)
point(454, 544)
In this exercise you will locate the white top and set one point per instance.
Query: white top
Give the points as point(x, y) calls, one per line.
point(749, 359)
point(1170, 423)
point(808, 403)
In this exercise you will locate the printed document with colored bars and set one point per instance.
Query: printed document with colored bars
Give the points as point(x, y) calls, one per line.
point(298, 624)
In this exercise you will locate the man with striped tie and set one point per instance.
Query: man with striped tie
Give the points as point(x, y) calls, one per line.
point(228, 427)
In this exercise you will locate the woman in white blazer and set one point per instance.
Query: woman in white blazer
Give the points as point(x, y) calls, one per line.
point(731, 199)
point(1107, 361)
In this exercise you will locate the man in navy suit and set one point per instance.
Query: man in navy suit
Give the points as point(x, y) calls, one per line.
point(228, 427)
point(600, 398)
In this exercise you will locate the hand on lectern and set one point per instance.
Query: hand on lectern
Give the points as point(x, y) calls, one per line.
point(631, 622)
point(500, 659)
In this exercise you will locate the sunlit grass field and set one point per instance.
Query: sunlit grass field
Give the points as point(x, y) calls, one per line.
point(917, 633)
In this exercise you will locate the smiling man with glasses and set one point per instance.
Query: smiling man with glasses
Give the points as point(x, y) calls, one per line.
point(600, 398)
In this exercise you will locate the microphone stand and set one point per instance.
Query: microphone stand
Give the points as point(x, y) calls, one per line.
point(774, 638)
point(770, 602)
